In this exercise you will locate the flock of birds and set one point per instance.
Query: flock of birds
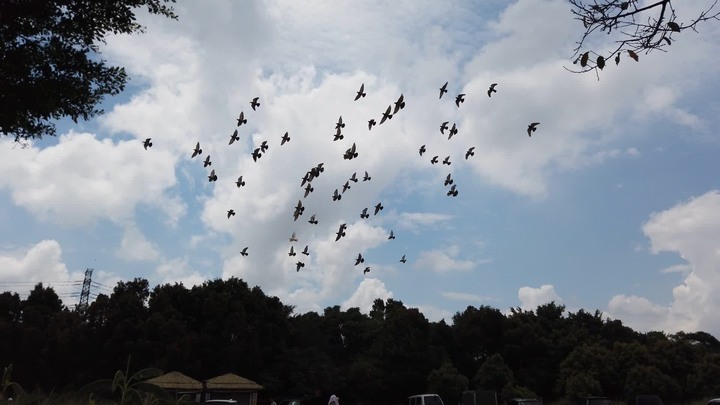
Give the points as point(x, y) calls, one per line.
point(350, 153)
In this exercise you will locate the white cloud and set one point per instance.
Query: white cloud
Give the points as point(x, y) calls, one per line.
point(367, 292)
point(135, 247)
point(442, 261)
point(692, 230)
point(178, 270)
point(530, 298)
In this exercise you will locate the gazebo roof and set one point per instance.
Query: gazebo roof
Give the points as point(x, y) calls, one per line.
point(176, 380)
point(232, 381)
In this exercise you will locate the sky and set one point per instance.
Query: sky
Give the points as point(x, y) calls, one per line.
point(611, 205)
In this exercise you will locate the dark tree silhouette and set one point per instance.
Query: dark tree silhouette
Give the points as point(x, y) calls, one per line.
point(49, 59)
point(634, 28)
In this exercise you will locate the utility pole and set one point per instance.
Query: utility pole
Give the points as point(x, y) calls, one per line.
point(85, 293)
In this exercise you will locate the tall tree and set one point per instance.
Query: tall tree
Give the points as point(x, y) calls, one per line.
point(50, 65)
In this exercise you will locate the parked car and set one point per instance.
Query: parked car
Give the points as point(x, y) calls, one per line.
point(425, 399)
point(524, 401)
point(595, 401)
point(714, 401)
point(648, 400)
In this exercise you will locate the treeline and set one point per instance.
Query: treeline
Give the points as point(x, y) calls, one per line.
point(381, 358)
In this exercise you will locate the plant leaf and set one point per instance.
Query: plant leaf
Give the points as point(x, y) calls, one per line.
point(674, 27)
point(633, 54)
point(600, 62)
point(584, 59)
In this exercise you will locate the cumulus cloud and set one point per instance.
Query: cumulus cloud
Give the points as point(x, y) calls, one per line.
point(366, 293)
point(530, 297)
point(135, 247)
point(443, 260)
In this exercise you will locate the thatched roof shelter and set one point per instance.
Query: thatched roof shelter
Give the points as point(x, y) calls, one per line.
point(176, 381)
point(233, 382)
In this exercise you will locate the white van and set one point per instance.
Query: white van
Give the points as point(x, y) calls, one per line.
point(425, 399)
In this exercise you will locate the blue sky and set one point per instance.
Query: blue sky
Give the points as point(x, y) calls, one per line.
point(611, 205)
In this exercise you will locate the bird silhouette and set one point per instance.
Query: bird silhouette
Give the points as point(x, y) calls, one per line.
point(367, 270)
point(147, 143)
point(255, 103)
point(299, 265)
point(207, 161)
point(470, 152)
point(308, 189)
point(392, 235)
point(346, 186)
point(361, 92)
point(285, 138)
point(293, 237)
point(453, 191)
point(532, 128)
point(299, 209)
point(422, 150)
point(378, 208)
point(351, 153)
point(443, 127)
point(313, 220)
point(305, 251)
point(359, 259)
point(292, 251)
point(448, 180)
point(264, 146)
point(336, 196)
point(403, 259)
point(387, 115)
point(434, 160)
point(244, 252)
point(492, 90)
point(241, 119)
point(453, 131)
point(338, 135)
point(371, 123)
point(366, 177)
point(256, 154)
point(353, 178)
point(230, 213)
point(447, 161)
point(459, 99)
point(341, 232)
point(399, 104)
point(234, 137)
point(197, 150)
point(240, 182)
point(212, 177)
point(364, 214)
point(443, 89)
point(339, 124)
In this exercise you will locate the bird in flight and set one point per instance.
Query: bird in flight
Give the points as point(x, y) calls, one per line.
point(532, 128)
point(308, 189)
point(341, 232)
point(387, 115)
point(346, 186)
point(422, 150)
point(364, 214)
point(403, 259)
point(313, 220)
point(305, 251)
point(244, 252)
point(371, 123)
point(366, 177)
point(256, 154)
point(353, 178)
point(255, 103)
point(378, 208)
point(230, 213)
point(197, 150)
point(470, 152)
point(207, 161)
point(359, 259)
point(293, 237)
point(212, 177)
point(241, 119)
point(264, 146)
point(298, 265)
point(298, 210)
point(336, 196)
point(443, 89)
point(339, 124)
point(453, 191)
point(392, 235)
point(292, 251)
point(448, 180)
point(399, 104)
point(434, 160)
point(351, 152)
point(459, 99)
point(443, 127)
point(234, 137)
point(361, 92)
point(453, 131)
point(367, 270)
point(338, 135)
point(285, 138)
point(492, 90)
point(147, 143)
point(240, 182)
point(447, 161)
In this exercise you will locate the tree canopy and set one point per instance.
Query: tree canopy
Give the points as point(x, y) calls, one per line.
point(50, 65)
